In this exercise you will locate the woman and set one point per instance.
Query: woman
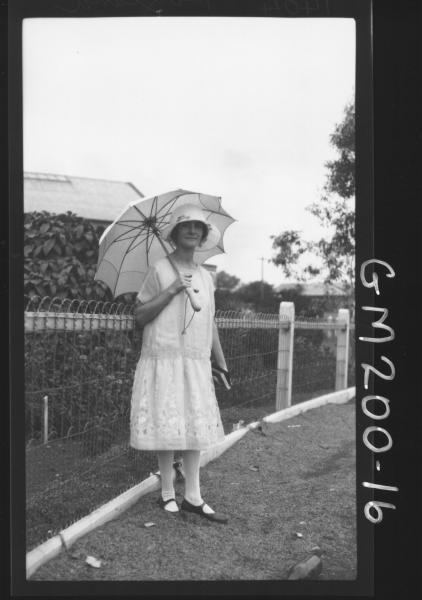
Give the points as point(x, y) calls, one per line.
point(173, 399)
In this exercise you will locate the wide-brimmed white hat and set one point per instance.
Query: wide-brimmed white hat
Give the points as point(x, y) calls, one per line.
point(190, 212)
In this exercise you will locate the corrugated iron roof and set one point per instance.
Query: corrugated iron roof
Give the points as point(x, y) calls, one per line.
point(98, 199)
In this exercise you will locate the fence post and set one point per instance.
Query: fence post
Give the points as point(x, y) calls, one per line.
point(286, 327)
point(45, 419)
point(342, 355)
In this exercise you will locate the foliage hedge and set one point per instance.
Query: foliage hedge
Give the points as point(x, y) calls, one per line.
point(61, 253)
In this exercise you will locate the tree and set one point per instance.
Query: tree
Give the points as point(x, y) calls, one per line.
point(225, 298)
point(259, 296)
point(305, 306)
point(334, 210)
point(225, 281)
point(231, 294)
point(290, 247)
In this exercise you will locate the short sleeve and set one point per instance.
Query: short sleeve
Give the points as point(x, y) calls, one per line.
point(150, 287)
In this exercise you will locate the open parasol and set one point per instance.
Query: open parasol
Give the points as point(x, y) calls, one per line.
point(134, 241)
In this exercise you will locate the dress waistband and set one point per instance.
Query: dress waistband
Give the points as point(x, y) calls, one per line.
point(151, 352)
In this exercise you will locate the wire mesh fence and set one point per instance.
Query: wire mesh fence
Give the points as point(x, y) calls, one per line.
point(314, 359)
point(80, 359)
point(250, 345)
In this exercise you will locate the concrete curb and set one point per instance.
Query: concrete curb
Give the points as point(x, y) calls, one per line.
point(217, 450)
point(42, 554)
point(339, 397)
point(52, 547)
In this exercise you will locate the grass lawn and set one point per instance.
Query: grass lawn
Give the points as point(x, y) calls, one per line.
point(63, 483)
point(302, 481)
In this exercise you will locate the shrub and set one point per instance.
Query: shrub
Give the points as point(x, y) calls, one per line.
point(60, 257)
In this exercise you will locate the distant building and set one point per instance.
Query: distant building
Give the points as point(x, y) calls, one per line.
point(98, 200)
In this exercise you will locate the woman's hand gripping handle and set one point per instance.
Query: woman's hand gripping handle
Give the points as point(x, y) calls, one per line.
point(183, 281)
point(194, 302)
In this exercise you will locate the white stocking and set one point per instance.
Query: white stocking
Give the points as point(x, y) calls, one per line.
point(165, 464)
point(191, 470)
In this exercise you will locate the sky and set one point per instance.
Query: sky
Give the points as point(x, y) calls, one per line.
point(241, 108)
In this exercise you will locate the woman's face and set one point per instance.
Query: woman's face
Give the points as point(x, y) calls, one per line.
point(189, 234)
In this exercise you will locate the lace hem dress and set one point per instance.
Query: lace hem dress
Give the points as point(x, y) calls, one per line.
point(173, 404)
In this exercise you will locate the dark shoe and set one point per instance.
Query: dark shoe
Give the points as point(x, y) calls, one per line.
point(163, 503)
point(216, 517)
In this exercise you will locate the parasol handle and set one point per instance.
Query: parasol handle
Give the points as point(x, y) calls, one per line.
point(189, 292)
point(194, 302)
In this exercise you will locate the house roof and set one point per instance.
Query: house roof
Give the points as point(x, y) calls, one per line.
point(313, 288)
point(96, 199)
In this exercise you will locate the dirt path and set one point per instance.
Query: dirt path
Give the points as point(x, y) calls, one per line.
point(296, 478)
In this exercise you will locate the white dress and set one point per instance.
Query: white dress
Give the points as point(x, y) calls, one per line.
point(173, 403)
